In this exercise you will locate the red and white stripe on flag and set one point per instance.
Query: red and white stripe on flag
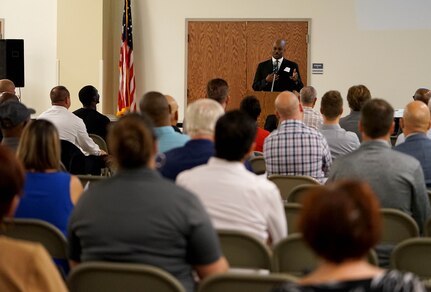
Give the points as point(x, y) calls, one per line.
point(126, 91)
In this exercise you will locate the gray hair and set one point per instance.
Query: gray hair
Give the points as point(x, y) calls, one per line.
point(308, 94)
point(201, 117)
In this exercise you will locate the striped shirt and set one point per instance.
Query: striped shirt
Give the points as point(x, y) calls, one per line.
point(312, 118)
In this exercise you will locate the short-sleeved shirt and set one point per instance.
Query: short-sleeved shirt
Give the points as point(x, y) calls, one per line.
point(295, 149)
point(138, 216)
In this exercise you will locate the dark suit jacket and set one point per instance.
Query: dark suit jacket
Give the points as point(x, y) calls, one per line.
point(283, 83)
point(419, 146)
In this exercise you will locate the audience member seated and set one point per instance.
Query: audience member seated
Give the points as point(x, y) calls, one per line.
point(271, 123)
point(341, 223)
point(356, 97)
point(251, 106)
point(14, 116)
point(137, 216)
point(71, 128)
point(218, 90)
point(294, 148)
point(201, 117)
point(155, 105)
point(415, 124)
point(339, 140)
point(235, 198)
point(308, 98)
point(173, 112)
point(7, 96)
point(95, 122)
point(49, 194)
point(24, 266)
point(421, 94)
point(7, 85)
point(396, 178)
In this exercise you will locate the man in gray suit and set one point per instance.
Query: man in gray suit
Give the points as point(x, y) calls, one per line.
point(396, 178)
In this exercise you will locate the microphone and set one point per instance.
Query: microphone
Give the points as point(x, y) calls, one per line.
point(274, 71)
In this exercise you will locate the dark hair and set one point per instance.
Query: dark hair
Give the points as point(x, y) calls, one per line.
point(235, 132)
point(217, 89)
point(59, 94)
point(341, 221)
point(422, 94)
point(11, 179)
point(39, 147)
point(87, 95)
point(156, 106)
point(357, 96)
point(251, 105)
point(131, 141)
point(377, 116)
point(271, 123)
point(331, 105)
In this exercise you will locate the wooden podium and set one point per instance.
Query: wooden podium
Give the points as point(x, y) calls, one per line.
point(266, 100)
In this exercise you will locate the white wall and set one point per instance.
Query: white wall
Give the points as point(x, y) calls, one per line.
point(392, 62)
point(355, 45)
point(36, 23)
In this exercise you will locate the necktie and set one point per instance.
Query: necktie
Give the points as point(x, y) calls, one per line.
point(275, 68)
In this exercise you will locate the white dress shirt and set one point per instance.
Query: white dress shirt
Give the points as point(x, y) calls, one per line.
point(237, 199)
point(71, 128)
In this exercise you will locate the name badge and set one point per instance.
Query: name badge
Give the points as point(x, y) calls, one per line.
point(287, 69)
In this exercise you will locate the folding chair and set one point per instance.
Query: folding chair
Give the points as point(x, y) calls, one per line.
point(286, 183)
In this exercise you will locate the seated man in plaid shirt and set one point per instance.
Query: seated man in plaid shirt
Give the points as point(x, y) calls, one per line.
point(294, 148)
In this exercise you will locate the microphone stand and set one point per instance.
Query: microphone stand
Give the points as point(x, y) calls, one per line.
point(274, 70)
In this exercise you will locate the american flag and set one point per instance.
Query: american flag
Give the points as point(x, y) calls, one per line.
point(126, 92)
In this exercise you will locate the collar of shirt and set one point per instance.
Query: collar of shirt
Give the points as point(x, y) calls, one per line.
point(214, 161)
point(376, 143)
point(163, 130)
point(292, 123)
point(279, 61)
point(330, 127)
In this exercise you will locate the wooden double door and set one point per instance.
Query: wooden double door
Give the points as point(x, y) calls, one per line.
point(232, 50)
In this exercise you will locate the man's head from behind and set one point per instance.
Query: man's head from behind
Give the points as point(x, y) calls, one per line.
point(89, 96)
point(422, 94)
point(377, 119)
point(251, 105)
point(60, 96)
point(235, 133)
point(218, 90)
point(288, 107)
point(7, 85)
point(155, 105)
point(357, 96)
point(331, 105)
point(308, 96)
point(13, 117)
point(416, 118)
point(201, 117)
point(173, 109)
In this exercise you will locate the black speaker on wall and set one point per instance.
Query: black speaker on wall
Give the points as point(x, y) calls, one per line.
point(12, 61)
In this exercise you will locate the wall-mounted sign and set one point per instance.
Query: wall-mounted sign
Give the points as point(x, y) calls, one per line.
point(317, 68)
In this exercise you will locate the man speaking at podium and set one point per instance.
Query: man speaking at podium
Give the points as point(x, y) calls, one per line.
point(277, 73)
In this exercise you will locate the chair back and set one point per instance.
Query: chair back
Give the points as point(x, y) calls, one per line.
point(413, 255)
point(286, 183)
point(89, 180)
point(258, 164)
point(243, 250)
point(37, 231)
point(231, 282)
point(293, 256)
point(116, 277)
point(72, 158)
point(99, 141)
point(427, 230)
point(292, 211)
point(297, 193)
point(397, 226)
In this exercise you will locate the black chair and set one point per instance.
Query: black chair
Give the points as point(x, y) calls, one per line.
point(76, 162)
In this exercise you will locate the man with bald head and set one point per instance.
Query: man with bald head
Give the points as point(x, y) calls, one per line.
point(173, 109)
point(415, 124)
point(7, 85)
point(283, 72)
point(156, 106)
point(294, 148)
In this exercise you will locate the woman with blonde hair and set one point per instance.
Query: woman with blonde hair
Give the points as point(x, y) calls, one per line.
point(49, 193)
point(24, 266)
